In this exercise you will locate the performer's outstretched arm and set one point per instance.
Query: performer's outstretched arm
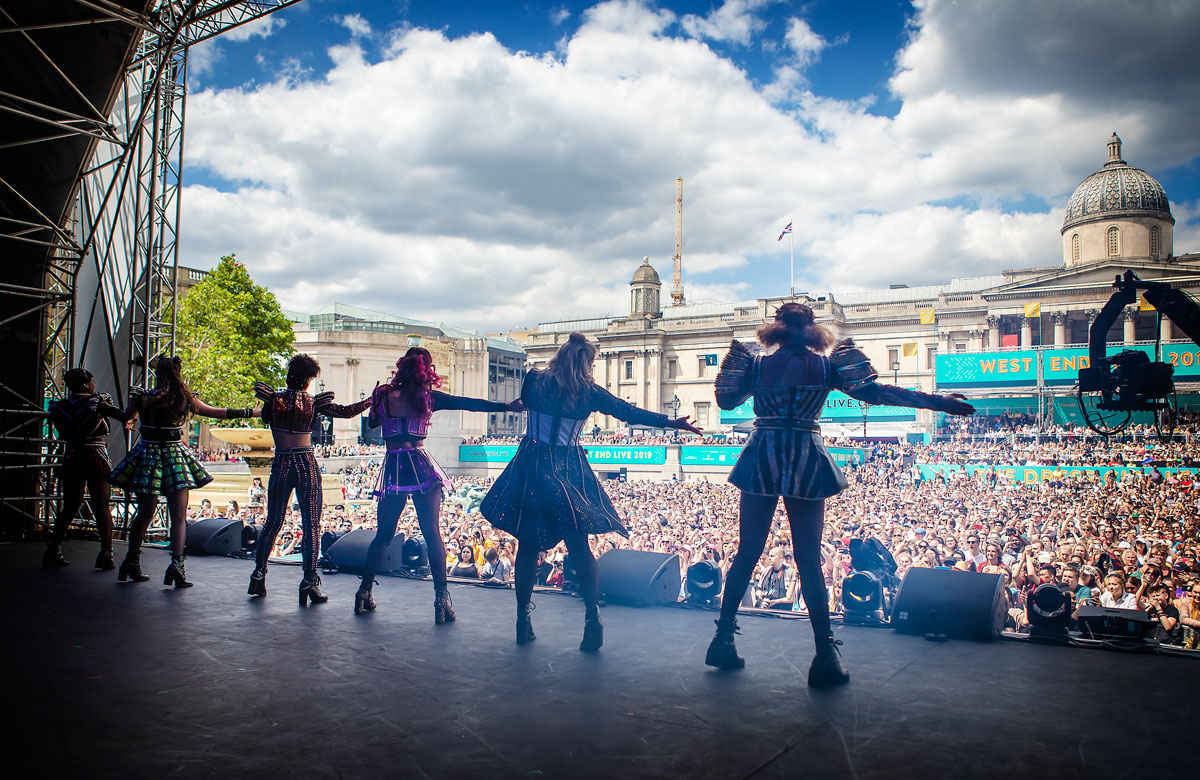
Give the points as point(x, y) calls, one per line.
point(854, 375)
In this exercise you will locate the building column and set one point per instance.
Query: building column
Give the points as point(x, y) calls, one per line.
point(654, 379)
point(993, 323)
point(1092, 314)
point(976, 340)
point(1130, 325)
point(1026, 332)
point(1060, 327)
point(1166, 331)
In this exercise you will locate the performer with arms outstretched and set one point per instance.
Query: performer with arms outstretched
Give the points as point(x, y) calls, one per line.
point(549, 492)
point(291, 413)
point(785, 456)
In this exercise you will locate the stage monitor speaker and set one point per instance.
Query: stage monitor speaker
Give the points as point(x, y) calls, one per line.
point(1097, 622)
point(961, 604)
point(214, 536)
point(639, 578)
point(349, 553)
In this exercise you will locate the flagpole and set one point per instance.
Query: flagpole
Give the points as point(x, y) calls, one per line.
point(792, 245)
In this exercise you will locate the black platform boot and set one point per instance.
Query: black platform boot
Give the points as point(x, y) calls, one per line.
point(827, 670)
point(363, 601)
point(53, 557)
point(105, 560)
point(258, 583)
point(722, 653)
point(443, 607)
point(310, 588)
point(524, 623)
point(593, 631)
point(131, 568)
point(176, 573)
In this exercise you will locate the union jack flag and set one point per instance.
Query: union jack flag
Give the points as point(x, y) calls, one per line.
point(786, 230)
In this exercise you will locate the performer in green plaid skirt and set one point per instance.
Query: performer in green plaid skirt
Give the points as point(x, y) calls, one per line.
point(160, 464)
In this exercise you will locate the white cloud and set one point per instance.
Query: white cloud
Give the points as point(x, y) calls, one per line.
point(356, 24)
point(735, 21)
point(805, 44)
point(203, 57)
point(560, 15)
point(457, 180)
point(262, 27)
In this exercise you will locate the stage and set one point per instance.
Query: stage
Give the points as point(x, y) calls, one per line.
point(109, 679)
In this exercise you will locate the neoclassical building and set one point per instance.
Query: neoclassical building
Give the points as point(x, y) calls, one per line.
point(1118, 219)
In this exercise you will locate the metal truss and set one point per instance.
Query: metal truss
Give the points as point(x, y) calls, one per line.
point(108, 295)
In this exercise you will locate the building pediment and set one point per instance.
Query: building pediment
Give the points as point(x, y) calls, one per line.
point(1099, 274)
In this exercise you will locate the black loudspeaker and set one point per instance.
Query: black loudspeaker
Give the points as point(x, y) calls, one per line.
point(349, 553)
point(639, 578)
point(960, 604)
point(250, 536)
point(1107, 623)
point(214, 536)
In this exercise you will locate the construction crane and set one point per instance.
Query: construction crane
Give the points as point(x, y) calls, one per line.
point(677, 289)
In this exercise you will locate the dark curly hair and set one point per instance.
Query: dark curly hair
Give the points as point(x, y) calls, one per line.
point(301, 370)
point(795, 328)
point(416, 376)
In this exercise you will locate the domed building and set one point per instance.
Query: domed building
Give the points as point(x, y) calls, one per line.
point(1119, 213)
point(644, 291)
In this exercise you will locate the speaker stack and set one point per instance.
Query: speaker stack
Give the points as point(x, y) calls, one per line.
point(214, 536)
point(349, 552)
point(959, 604)
point(639, 578)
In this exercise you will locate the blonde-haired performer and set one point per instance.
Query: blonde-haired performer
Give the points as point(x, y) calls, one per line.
point(785, 456)
point(548, 492)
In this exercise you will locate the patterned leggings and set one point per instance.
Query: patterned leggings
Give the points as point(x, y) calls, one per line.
point(294, 469)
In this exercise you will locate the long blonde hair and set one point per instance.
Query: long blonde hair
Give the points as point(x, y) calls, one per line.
point(571, 367)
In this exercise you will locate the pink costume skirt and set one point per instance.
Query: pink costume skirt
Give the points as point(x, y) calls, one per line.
point(410, 470)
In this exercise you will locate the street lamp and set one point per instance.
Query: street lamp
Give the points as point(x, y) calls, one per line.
point(362, 395)
point(896, 372)
point(675, 404)
point(321, 386)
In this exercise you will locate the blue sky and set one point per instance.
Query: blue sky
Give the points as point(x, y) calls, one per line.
point(499, 164)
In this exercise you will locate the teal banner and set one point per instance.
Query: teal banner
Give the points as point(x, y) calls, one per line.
point(1031, 475)
point(728, 455)
point(1013, 368)
point(1061, 366)
point(839, 408)
point(486, 453)
point(622, 456)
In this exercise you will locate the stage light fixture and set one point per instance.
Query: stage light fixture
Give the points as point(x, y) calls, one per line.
point(414, 555)
point(1049, 614)
point(862, 598)
point(703, 581)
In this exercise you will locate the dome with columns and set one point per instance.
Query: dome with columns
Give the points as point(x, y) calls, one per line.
point(645, 290)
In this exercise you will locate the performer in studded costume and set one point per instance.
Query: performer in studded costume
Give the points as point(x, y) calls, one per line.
point(291, 413)
point(160, 464)
point(80, 422)
point(785, 456)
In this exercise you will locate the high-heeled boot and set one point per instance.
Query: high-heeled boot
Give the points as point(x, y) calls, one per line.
point(53, 557)
point(131, 568)
point(258, 583)
point(593, 631)
point(310, 588)
point(443, 607)
point(363, 601)
point(524, 623)
point(722, 653)
point(105, 560)
point(827, 670)
point(176, 573)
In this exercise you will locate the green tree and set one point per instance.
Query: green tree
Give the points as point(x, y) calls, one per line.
point(230, 334)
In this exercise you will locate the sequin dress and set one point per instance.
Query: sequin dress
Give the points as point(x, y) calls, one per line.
point(160, 463)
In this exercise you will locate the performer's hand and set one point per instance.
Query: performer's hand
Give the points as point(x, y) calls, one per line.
point(515, 405)
point(256, 411)
point(684, 424)
point(956, 403)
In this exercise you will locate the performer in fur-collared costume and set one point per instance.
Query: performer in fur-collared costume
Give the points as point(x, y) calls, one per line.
point(786, 456)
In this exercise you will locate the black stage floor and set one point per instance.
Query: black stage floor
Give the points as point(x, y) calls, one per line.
point(107, 680)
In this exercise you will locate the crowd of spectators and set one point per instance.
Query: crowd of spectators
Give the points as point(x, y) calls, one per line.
point(1130, 540)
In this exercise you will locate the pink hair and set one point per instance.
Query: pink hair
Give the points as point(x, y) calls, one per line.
point(416, 376)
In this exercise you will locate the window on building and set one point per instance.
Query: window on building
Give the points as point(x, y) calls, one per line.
point(1154, 241)
point(960, 346)
point(672, 368)
point(700, 368)
point(893, 356)
point(629, 369)
point(930, 356)
point(701, 415)
point(1114, 241)
point(1075, 248)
